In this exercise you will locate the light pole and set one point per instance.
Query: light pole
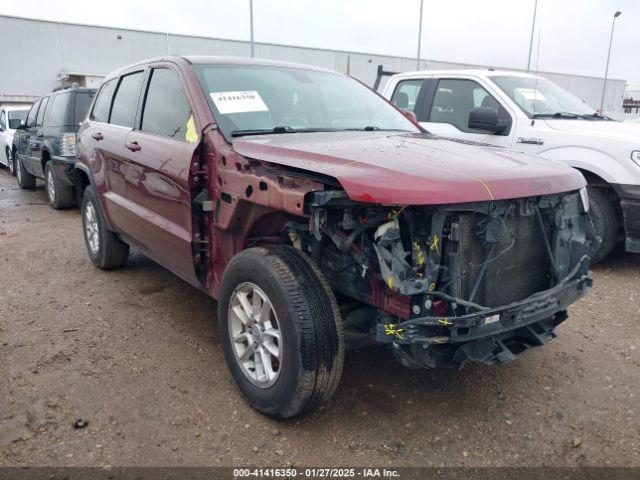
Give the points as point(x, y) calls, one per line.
point(606, 71)
point(251, 24)
point(533, 26)
point(419, 36)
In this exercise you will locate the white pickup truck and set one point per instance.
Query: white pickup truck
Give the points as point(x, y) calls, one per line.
point(534, 115)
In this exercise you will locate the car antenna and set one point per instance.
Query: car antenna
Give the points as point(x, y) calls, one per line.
point(535, 85)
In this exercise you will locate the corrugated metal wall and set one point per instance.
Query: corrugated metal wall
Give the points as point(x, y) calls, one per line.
point(37, 53)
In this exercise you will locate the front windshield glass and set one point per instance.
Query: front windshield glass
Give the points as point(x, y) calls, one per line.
point(541, 96)
point(257, 99)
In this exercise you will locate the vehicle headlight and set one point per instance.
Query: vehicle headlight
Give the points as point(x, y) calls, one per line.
point(584, 197)
point(635, 156)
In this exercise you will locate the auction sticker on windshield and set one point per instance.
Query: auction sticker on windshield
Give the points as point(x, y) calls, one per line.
point(238, 102)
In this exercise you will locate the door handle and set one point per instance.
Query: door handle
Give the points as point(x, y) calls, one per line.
point(97, 136)
point(133, 146)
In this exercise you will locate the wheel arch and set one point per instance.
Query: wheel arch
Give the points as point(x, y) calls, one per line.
point(45, 158)
point(82, 179)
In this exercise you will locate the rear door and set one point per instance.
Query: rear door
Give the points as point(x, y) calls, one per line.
point(158, 155)
point(109, 139)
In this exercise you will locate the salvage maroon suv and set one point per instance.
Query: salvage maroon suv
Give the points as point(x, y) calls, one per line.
point(322, 218)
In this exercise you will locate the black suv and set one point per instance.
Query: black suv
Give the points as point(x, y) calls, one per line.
point(45, 146)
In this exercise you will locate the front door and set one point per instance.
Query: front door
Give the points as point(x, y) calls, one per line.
point(24, 138)
point(158, 159)
point(36, 140)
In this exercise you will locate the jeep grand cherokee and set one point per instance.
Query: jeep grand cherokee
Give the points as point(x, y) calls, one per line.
point(322, 218)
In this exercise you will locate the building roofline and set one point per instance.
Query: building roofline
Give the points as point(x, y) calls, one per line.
point(158, 32)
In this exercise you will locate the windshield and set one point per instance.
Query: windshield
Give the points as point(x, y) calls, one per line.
point(541, 96)
point(256, 99)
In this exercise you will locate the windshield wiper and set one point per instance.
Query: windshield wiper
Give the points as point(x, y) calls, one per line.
point(264, 131)
point(287, 129)
point(556, 115)
point(595, 116)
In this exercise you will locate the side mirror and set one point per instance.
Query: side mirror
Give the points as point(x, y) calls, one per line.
point(15, 123)
point(485, 118)
point(410, 116)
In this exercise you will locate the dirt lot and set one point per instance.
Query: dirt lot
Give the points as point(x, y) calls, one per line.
point(136, 353)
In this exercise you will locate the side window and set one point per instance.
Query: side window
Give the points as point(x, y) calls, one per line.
point(43, 108)
point(454, 100)
point(123, 111)
point(31, 118)
point(3, 123)
point(102, 105)
point(166, 109)
point(81, 106)
point(406, 94)
point(58, 110)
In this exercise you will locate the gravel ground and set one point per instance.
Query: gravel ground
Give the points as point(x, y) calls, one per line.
point(136, 353)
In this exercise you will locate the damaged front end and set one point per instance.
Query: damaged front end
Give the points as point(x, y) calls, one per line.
point(448, 284)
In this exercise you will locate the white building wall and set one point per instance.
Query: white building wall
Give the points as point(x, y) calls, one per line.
point(37, 55)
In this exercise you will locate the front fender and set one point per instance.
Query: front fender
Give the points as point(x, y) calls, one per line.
point(611, 169)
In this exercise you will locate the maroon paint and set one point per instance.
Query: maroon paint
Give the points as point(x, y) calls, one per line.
point(414, 169)
point(146, 193)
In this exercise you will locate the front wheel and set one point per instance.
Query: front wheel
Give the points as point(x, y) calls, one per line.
point(605, 220)
point(59, 194)
point(12, 162)
point(281, 330)
point(105, 249)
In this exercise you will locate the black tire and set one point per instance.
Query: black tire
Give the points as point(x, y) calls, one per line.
point(110, 252)
point(25, 179)
point(310, 326)
point(12, 163)
point(605, 220)
point(59, 194)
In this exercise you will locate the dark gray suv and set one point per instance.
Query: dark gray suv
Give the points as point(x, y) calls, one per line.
point(45, 145)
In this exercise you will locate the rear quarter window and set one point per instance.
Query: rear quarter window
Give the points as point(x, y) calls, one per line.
point(82, 104)
point(59, 110)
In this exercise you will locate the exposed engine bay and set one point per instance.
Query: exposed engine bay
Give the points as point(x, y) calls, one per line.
point(448, 284)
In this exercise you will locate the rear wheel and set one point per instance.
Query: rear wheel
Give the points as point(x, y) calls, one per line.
point(605, 220)
point(281, 330)
point(12, 162)
point(25, 179)
point(105, 249)
point(59, 194)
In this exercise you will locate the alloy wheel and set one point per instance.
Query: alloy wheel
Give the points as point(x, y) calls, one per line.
point(51, 187)
point(255, 335)
point(91, 228)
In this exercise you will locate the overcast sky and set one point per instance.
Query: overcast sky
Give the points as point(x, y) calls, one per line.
point(574, 33)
